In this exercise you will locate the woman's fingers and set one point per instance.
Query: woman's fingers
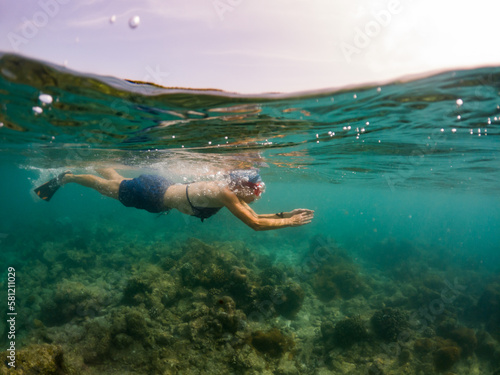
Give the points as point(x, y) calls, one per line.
point(300, 210)
point(302, 219)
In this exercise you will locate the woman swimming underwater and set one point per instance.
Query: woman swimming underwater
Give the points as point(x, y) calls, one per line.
point(200, 199)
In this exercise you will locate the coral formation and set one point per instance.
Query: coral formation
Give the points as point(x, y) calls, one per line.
point(345, 333)
point(102, 304)
point(388, 323)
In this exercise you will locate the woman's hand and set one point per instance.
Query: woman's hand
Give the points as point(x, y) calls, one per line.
point(296, 212)
point(300, 216)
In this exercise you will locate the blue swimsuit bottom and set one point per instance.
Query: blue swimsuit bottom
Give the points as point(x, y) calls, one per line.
point(145, 192)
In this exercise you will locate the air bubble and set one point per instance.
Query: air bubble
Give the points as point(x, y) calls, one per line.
point(45, 98)
point(134, 22)
point(460, 102)
point(459, 117)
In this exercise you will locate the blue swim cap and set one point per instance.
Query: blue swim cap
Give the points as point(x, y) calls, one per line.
point(245, 175)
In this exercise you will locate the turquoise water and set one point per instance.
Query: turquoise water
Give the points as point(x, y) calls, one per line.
point(403, 177)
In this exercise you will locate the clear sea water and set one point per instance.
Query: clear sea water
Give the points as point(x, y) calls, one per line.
point(415, 162)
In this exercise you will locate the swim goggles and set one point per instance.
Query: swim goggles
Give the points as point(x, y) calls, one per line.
point(258, 188)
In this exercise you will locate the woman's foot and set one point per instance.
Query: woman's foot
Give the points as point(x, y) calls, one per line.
point(64, 177)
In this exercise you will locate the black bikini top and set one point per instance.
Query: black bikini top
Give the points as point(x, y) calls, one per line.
point(201, 212)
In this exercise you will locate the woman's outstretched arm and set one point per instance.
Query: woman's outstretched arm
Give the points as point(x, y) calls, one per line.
point(262, 222)
point(279, 215)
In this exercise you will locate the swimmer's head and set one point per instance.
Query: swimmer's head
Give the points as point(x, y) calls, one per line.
point(246, 183)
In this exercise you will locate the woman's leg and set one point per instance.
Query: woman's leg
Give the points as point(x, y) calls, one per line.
point(108, 188)
point(110, 174)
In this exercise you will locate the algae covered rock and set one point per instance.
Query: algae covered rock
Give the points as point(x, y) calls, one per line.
point(488, 347)
point(97, 341)
point(335, 274)
point(332, 282)
point(272, 343)
point(488, 308)
point(424, 345)
point(225, 318)
point(446, 357)
point(41, 359)
point(73, 299)
point(136, 324)
point(136, 289)
point(290, 301)
point(272, 300)
point(465, 338)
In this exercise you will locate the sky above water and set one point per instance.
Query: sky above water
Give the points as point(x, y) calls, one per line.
point(253, 46)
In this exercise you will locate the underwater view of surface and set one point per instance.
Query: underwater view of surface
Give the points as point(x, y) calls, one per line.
point(398, 272)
